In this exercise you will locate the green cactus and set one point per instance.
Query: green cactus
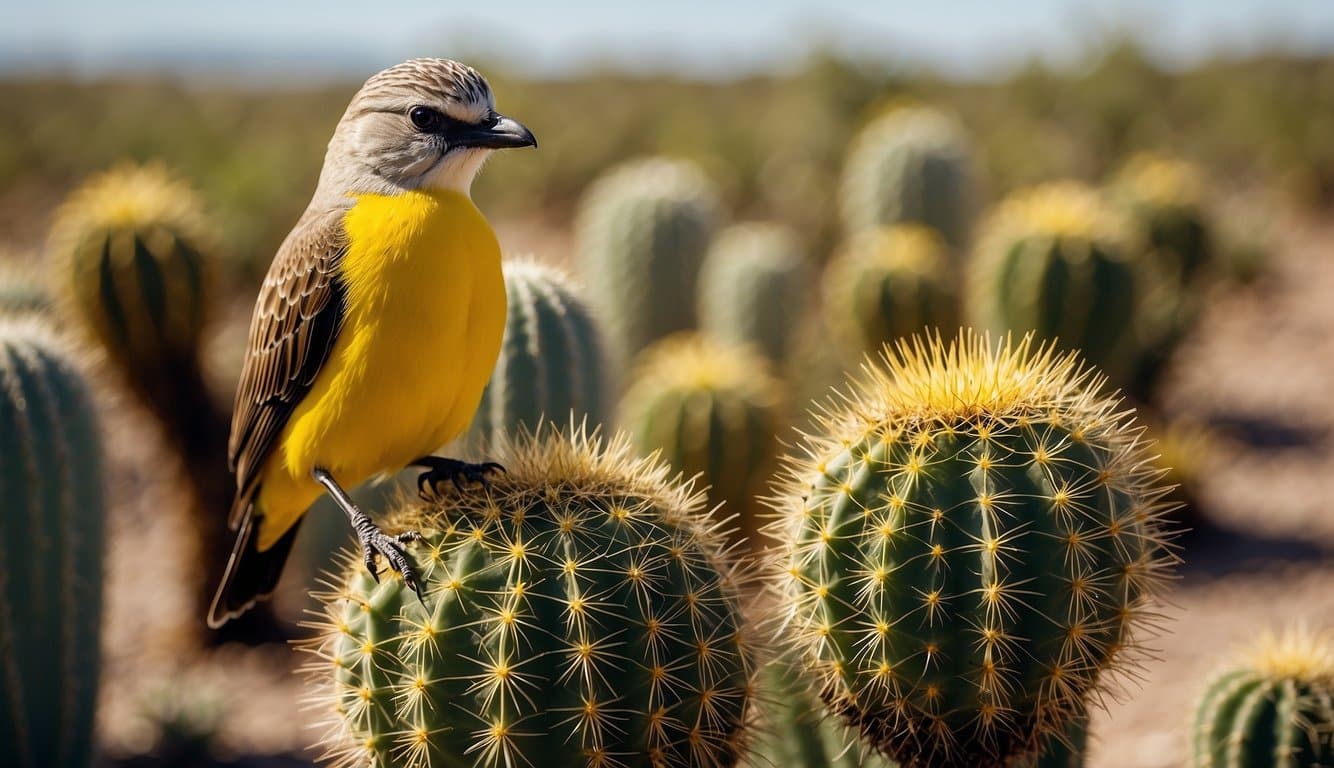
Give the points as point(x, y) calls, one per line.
point(968, 547)
point(577, 612)
point(1056, 260)
point(21, 292)
point(52, 531)
point(1164, 199)
point(888, 283)
point(551, 361)
point(641, 235)
point(132, 252)
point(1273, 710)
point(754, 288)
point(797, 732)
point(712, 411)
point(912, 165)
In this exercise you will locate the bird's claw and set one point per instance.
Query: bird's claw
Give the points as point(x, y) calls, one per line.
point(460, 473)
point(392, 549)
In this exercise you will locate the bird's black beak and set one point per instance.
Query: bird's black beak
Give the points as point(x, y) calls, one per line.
point(497, 133)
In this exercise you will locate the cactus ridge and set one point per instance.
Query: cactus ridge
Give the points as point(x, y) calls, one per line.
point(578, 612)
point(971, 540)
point(1275, 709)
point(51, 551)
point(909, 166)
point(888, 283)
point(641, 235)
point(754, 288)
point(551, 359)
point(712, 411)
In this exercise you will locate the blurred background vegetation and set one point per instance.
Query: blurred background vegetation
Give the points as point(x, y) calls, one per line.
point(774, 144)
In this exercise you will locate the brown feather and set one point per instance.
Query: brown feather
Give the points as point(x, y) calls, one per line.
point(296, 321)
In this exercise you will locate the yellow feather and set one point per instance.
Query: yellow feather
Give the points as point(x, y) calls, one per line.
point(425, 312)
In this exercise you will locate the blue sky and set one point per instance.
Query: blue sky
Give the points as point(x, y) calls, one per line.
point(968, 37)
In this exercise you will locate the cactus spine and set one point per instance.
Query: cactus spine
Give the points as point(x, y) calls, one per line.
point(1055, 260)
point(1274, 709)
point(710, 410)
point(967, 547)
point(576, 613)
point(551, 361)
point(52, 529)
point(754, 288)
point(910, 166)
point(640, 238)
point(888, 283)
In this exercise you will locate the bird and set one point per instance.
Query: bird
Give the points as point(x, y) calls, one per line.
point(377, 326)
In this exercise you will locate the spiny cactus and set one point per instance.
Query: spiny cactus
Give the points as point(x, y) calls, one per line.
point(910, 166)
point(551, 361)
point(1165, 200)
point(52, 529)
point(577, 612)
point(754, 288)
point(888, 283)
point(640, 237)
point(1274, 709)
point(968, 546)
point(132, 258)
point(1055, 260)
point(710, 410)
point(21, 292)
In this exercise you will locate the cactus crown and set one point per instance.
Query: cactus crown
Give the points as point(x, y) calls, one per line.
point(970, 542)
point(1159, 180)
point(689, 361)
point(1056, 209)
point(132, 196)
point(1298, 654)
point(910, 247)
point(21, 290)
point(578, 612)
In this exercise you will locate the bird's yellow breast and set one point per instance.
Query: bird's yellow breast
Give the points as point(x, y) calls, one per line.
point(424, 316)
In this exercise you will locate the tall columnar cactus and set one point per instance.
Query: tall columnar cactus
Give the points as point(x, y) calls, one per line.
point(577, 612)
point(910, 166)
point(132, 259)
point(710, 410)
point(640, 238)
point(551, 362)
point(1056, 260)
point(754, 288)
point(52, 529)
point(1275, 708)
point(888, 283)
point(1165, 200)
point(969, 544)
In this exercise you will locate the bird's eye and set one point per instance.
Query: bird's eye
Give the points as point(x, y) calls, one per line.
point(425, 118)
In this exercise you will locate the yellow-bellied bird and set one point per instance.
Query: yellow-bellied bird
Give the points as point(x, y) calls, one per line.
point(378, 324)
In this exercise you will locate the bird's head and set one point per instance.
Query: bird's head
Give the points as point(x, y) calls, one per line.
point(422, 124)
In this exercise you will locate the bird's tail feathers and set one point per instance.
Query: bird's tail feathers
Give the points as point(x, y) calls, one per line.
point(251, 575)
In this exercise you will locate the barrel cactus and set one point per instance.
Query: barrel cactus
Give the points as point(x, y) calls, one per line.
point(52, 532)
point(641, 235)
point(577, 612)
point(1057, 260)
point(551, 361)
point(1164, 199)
point(713, 411)
point(754, 288)
point(912, 165)
point(969, 545)
point(21, 292)
point(887, 283)
point(1275, 708)
point(132, 254)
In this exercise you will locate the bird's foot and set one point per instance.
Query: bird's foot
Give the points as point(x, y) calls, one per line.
point(460, 473)
point(392, 548)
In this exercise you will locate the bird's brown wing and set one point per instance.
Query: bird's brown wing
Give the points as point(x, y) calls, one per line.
point(296, 321)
